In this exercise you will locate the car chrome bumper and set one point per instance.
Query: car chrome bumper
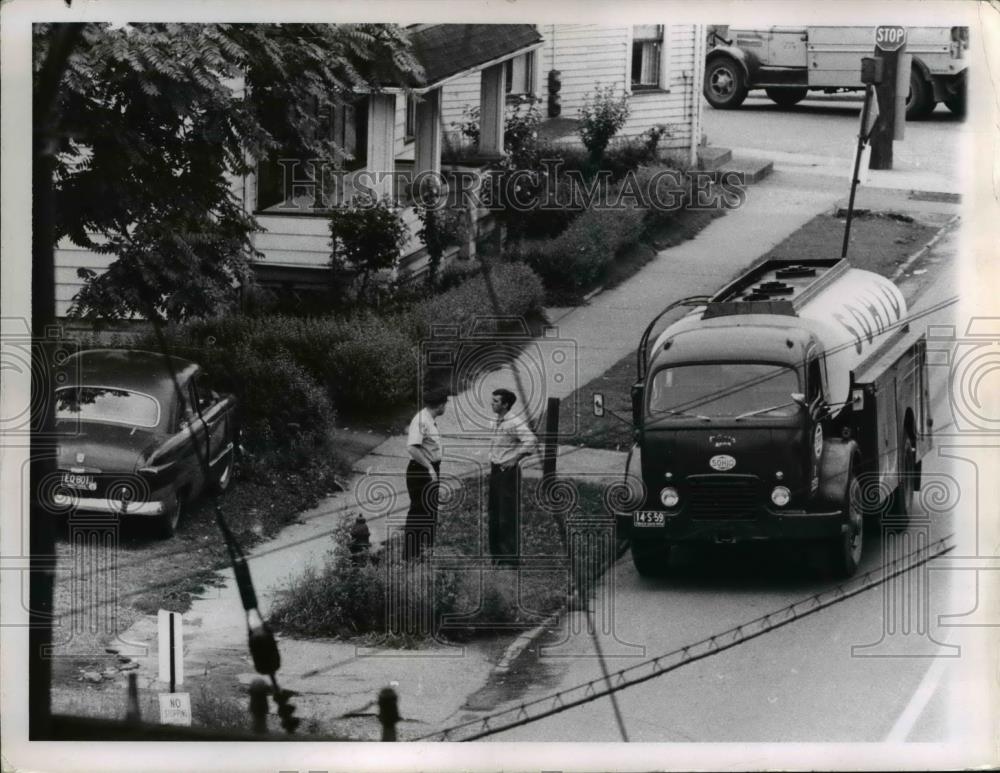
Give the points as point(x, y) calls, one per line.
point(100, 505)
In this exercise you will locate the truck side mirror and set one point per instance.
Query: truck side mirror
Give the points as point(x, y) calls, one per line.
point(638, 398)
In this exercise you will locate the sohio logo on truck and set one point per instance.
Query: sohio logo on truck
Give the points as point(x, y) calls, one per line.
point(722, 462)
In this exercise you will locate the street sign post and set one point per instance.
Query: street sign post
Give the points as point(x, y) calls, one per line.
point(890, 43)
point(171, 648)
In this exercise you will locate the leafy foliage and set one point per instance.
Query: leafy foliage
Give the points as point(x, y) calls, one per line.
point(440, 229)
point(368, 236)
point(154, 121)
point(602, 116)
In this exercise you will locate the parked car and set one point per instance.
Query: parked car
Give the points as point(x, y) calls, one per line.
point(135, 444)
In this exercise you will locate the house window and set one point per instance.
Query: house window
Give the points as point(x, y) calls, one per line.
point(346, 124)
point(647, 56)
point(410, 124)
point(520, 78)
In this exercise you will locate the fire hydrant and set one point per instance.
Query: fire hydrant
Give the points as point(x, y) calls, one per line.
point(360, 540)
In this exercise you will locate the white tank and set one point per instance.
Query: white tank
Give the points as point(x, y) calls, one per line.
point(853, 317)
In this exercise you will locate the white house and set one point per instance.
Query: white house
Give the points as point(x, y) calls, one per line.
point(401, 128)
point(660, 67)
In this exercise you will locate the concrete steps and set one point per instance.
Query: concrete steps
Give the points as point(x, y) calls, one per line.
point(714, 159)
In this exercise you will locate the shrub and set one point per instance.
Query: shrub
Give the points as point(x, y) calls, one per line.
point(602, 116)
point(520, 134)
point(518, 289)
point(374, 368)
point(578, 258)
point(367, 237)
point(440, 229)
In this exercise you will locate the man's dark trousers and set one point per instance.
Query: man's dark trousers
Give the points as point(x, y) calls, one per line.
point(421, 518)
point(505, 486)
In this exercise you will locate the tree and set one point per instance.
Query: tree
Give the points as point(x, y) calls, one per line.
point(367, 237)
point(156, 120)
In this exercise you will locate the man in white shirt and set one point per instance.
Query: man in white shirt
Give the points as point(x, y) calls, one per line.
point(513, 441)
point(423, 442)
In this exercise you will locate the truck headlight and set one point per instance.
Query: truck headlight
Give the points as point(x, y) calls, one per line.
point(669, 496)
point(780, 496)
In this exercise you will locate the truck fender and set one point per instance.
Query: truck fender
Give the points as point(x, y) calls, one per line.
point(747, 61)
point(834, 470)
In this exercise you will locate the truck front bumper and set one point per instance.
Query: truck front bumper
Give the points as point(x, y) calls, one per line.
point(767, 525)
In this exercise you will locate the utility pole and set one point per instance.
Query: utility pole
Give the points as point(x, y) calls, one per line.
point(890, 44)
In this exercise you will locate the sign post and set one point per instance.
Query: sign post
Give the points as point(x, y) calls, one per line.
point(175, 707)
point(890, 43)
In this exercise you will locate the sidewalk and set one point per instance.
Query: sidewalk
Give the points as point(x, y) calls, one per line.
point(334, 677)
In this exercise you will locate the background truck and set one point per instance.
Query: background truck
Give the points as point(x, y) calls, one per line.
point(788, 62)
point(787, 406)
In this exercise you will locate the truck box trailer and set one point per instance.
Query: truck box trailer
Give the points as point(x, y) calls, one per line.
point(785, 407)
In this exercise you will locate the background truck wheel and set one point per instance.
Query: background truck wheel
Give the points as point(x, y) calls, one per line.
point(651, 560)
point(786, 97)
point(845, 550)
point(956, 102)
point(920, 101)
point(725, 85)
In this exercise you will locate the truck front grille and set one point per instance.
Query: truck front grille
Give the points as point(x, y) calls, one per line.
point(723, 496)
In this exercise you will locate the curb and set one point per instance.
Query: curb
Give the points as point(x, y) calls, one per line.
point(923, 250)
point(525, 640)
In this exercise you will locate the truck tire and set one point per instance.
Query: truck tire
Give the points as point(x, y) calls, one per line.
point(786, 97)
point(920, 101)
point(902, 498)
point(956, 102)
point(845, 550)
point(651, 560)
point(725, 85)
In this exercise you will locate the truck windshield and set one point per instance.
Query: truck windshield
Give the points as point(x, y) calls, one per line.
point(724, 389)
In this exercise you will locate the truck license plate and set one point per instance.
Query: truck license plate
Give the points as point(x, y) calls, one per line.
point(85, 482)
point(648, 518)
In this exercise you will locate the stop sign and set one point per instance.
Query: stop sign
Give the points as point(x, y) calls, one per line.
point(890, 38)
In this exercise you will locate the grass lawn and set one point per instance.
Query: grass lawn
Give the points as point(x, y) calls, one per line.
point(454, 591)
point(879, 243)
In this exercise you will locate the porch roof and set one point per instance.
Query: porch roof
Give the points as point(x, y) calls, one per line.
point(449, 50)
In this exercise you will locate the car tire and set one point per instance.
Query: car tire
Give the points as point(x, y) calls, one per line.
point(725, 85)
point(786, 97)
point(171, 519)
point(844, 551)
point(222, 475)
point(651, 559)
point(920, 101)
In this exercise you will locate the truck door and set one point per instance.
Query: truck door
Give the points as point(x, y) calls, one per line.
point(786, 47)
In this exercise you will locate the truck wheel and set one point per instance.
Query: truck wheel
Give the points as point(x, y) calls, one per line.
point(920, 101)
point(956, 103)
point(725, 85)
point(845, 550)
point(902, 498)
point(786, 97)
point(650, 560)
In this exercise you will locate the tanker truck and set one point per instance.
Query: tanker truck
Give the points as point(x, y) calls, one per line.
point(785, 407)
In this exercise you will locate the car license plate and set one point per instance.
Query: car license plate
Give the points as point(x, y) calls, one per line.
point(648, 518)
point(73, 480)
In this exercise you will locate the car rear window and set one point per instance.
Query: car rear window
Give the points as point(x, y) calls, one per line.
point(107, 404)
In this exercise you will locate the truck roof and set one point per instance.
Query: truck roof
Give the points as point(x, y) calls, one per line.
point(752, 337)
